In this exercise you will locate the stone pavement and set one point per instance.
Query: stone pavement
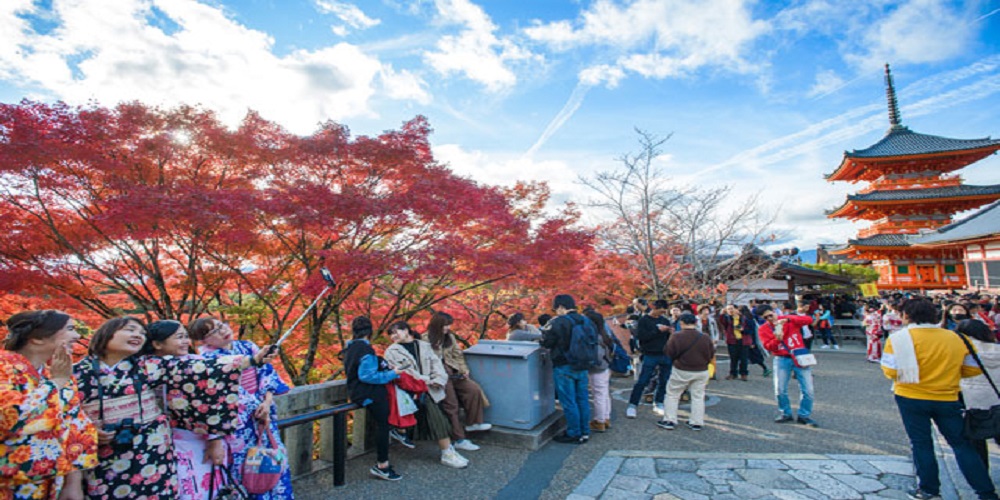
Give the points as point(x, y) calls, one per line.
point(720, 476)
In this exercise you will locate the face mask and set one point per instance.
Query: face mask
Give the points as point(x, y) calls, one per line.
point(959, 317)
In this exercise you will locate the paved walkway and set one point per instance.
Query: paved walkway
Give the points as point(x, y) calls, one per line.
point(859, 451)
point(721, 476)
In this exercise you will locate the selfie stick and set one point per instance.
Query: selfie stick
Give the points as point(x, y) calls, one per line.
point(330, 284)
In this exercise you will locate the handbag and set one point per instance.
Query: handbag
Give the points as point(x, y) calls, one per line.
point(228, 488)
point(264, 463)
point(981, 424)
point(405, 403)
point(803, 358)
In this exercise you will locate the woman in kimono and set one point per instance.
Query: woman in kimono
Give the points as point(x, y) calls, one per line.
point(196, 449)
point(873, 331)
point(258, 386)
point(120, 392)
point(46, 437)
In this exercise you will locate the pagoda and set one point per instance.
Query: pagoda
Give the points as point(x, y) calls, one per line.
point(911, 188)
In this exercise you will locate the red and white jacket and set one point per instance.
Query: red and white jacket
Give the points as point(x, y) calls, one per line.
point(792, 335)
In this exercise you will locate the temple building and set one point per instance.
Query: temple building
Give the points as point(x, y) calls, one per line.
point(911, 188)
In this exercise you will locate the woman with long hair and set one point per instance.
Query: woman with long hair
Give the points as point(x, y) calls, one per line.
point(257, 388)
point(417, 358)
point(461, 390)
point(121, 390)
point(873, 332)
point(46, 436)
point(954, 314)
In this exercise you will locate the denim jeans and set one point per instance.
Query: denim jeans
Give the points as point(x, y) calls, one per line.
point(783, 368)
point(917, 415)
point(571, 389)
point(827, 335)
point(649, 364)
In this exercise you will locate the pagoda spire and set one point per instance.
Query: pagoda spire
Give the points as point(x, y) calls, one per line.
point(890, 95)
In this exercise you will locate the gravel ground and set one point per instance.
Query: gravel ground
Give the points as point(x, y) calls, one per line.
point(854, 408)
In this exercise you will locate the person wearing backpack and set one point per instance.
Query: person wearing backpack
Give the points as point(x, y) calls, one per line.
point(600, 375)
point(572, 339)
point(653, 331)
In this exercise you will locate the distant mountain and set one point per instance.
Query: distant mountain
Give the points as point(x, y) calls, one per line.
point(807, 256)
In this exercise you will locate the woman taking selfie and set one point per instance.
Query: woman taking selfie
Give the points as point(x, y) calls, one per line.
point(46, 436)
point(196, 448)
point(120, 390)
point(258, 386)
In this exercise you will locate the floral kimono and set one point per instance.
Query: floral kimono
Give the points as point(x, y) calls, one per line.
point(139, 464)
point(44, 435)
point(255, 383)
point(873, 330)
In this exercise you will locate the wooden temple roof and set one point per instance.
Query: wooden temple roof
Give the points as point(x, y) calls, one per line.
point(856, 204)
point(984, 224)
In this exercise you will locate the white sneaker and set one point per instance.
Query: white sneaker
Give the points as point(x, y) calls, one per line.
point(836, 347)
point(658, 410)
point(478, 427)
point(630, 411)
point(465, 444)
point(452, 459)
point(824, 346)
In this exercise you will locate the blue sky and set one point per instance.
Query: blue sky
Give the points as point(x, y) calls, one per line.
point(764, 96)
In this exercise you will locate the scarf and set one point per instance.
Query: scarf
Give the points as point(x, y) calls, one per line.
point(907, 369)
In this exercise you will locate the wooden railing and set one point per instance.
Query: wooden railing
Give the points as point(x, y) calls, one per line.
point(297, 414)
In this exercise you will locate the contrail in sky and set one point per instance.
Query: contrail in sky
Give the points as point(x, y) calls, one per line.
point(573, 104)
point(864, 119)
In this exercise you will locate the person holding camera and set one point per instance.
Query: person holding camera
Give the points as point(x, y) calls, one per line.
point(121, 388)
point(46, 436)
point(257, 388)
point(461, 389)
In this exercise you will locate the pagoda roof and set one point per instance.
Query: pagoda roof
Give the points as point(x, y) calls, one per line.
point(926, 194)
point(900, 147)
point(850, 207)
point(982, 224)
point(881, 240)
point(901, 141)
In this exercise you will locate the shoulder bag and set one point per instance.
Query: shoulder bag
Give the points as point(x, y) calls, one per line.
point(981, 424)
point(803, 358)
point(227, 488)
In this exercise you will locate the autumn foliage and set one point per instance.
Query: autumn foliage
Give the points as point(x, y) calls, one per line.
point(167, 213)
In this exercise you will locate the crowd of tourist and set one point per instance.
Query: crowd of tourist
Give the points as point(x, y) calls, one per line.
point(166, 410)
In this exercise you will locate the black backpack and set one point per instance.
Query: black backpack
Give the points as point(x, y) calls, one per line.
point(583, 352)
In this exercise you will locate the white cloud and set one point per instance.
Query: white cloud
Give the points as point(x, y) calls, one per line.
point(349, 14)
point(475, 52)
point(108, 51)
point(658, 39)
point(918, 31)
point(826, 82)
point(505, 169)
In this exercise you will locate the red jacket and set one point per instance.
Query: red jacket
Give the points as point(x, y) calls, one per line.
point(792, 337)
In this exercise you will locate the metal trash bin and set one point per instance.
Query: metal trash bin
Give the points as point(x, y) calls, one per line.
point(517, 379)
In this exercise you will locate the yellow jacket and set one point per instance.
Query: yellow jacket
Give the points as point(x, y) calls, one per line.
point(943, 360)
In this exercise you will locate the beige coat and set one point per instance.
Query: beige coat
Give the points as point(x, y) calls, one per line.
point(976, 391)
point(431, 369)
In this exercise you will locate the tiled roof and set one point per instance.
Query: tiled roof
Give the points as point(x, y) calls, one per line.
point(901, 141)
point(923, 194)
point(983, 223)
point(881, 240)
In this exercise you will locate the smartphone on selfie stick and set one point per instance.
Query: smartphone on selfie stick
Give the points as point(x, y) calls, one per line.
point(330, 285)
